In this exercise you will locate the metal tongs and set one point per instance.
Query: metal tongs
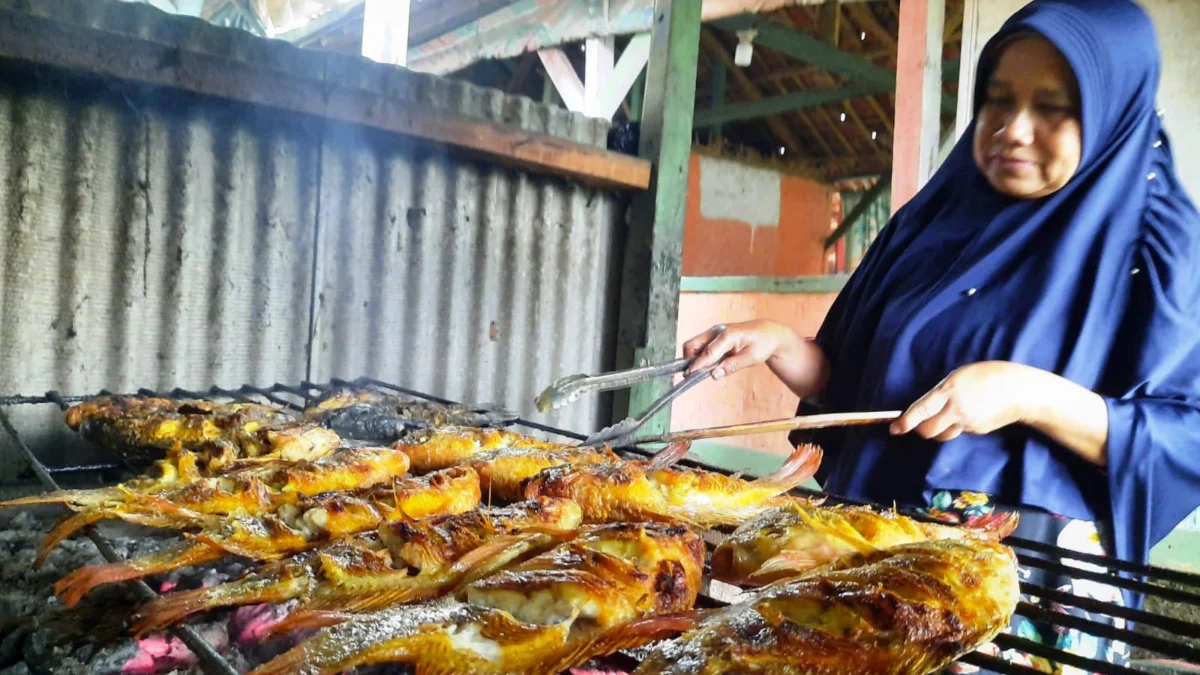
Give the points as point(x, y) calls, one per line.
point(568, 390)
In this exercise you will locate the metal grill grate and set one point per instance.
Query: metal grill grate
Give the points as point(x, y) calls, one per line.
point(1031, 554)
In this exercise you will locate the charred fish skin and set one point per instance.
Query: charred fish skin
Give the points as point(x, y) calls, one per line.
point(790, 540)
point(382, 418)
point(590, 596)
point(504, 472)
point(909, 610)
point(443, 447)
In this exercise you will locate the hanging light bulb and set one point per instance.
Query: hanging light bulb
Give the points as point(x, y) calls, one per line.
point(863, 36)
point(745, 48)
point(843, 117)
point(874, 135)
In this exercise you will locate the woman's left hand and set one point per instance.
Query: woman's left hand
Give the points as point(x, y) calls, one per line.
point(977, 399)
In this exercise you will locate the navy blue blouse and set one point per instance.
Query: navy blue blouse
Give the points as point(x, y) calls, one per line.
point(1098, 282)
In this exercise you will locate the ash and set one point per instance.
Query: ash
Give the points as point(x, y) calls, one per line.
point(39, 636)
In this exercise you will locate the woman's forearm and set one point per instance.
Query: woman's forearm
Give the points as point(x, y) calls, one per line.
point(1073, 416)
point(800, 364)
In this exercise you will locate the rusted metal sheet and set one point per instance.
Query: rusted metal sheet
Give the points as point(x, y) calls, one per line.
point(156, 238)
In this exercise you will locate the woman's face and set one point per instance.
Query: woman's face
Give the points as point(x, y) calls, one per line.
point(1028, 136)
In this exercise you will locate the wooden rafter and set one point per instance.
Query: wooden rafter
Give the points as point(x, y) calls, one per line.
point(713, 46)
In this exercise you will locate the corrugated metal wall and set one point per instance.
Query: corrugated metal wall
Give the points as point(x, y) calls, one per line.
point(168, 240)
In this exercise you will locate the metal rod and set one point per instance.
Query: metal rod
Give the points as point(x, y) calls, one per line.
point(1006, 641)
point(212, 662)
point(1150, 642)
point(1165, 623)
point(1113, 580)
point(1163, 573)
point(994, 664)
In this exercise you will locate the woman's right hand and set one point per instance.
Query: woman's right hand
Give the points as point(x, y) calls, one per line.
point(736, 346)
point(798, 363)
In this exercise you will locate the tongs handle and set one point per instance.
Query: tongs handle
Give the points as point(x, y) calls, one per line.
point(569, 389)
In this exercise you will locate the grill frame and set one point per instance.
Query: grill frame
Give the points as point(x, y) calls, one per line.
point(1135, 577)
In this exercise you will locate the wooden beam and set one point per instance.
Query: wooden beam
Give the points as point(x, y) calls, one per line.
point(864, 17)
point(626, 73)
point(385, 31)
point(566, 80)
point(597, 73)
point(831, 21)
point(749, 90)
point(531, 25)
point(836, 128)
point(524, 68)
point(809, 49)
point(718, 93)
point(808, 284)
point(778, 105)
point(654, 240)
point(973, 40)
point(68, 46)
point(919, 97)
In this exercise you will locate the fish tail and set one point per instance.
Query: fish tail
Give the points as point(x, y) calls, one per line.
point(670, 455)
point(801, 465)
point(174, 607)
point(74, 498)
point(63, 530)
point(629, 636)
point(79, 583)
point(308, 619)
point(996, 525)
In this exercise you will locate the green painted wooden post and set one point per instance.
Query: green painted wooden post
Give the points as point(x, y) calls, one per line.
point(654, 242)
point(718, 93)
point(635, 97)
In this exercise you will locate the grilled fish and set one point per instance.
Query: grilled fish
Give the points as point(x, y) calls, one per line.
point(251, 491)
point(309, 522)
point(435, 449)
point(632, 491)
point(504, 471)
point(145, 428)
point(591, 596)
point(381, 418)
point(908, 610)
point(400, 562)
point(789, 540)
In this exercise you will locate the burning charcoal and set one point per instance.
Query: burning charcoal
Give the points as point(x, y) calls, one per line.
point(250, 623)
point(19, 669)
point(11, 645)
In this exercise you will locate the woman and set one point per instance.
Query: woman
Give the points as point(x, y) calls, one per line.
point(1035, 310)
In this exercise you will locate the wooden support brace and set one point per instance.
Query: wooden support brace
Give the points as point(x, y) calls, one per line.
point(564, 77)
point(625, 74)
point(385, 31)
point(654, 243)
point(857, 212)
point(597, 74)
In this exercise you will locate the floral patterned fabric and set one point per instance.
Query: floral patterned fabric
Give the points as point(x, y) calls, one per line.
point(963, 508)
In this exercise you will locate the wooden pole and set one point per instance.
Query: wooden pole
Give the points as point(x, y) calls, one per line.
point(654, 242)
point(918, 97)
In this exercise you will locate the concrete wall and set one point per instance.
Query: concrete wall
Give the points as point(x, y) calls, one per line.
point(1177, 23)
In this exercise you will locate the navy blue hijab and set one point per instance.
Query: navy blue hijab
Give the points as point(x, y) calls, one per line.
point(1098, 282)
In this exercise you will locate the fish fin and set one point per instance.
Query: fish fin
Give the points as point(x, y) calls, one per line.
point(629, 636)
point(996, 525)
point(801, 465)
point(670, 455)
point(170, 609)
point(721, 565)
point(781, 566)
point(307, 619)
point(79, 583)
point(63, 530)
point(503, 550)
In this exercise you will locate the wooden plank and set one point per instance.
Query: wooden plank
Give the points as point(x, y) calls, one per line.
point(749, 90)
point(45, 41)
point(807, 284)
point(566, 80)
point(919, 99)
point(831, 21)
point(626, 73)
point(719, 77)
point(972, 44)
point(385, 31)
point(531, 25)
point(777, 105)
point(654, 245)
point(597, 73)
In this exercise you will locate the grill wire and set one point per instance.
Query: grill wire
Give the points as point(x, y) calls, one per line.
point(1029, 553)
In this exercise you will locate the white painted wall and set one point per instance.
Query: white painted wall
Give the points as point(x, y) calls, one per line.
point(1177, 23)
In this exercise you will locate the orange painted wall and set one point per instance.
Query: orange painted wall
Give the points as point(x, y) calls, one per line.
point(730, 246)
point(753, 395)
